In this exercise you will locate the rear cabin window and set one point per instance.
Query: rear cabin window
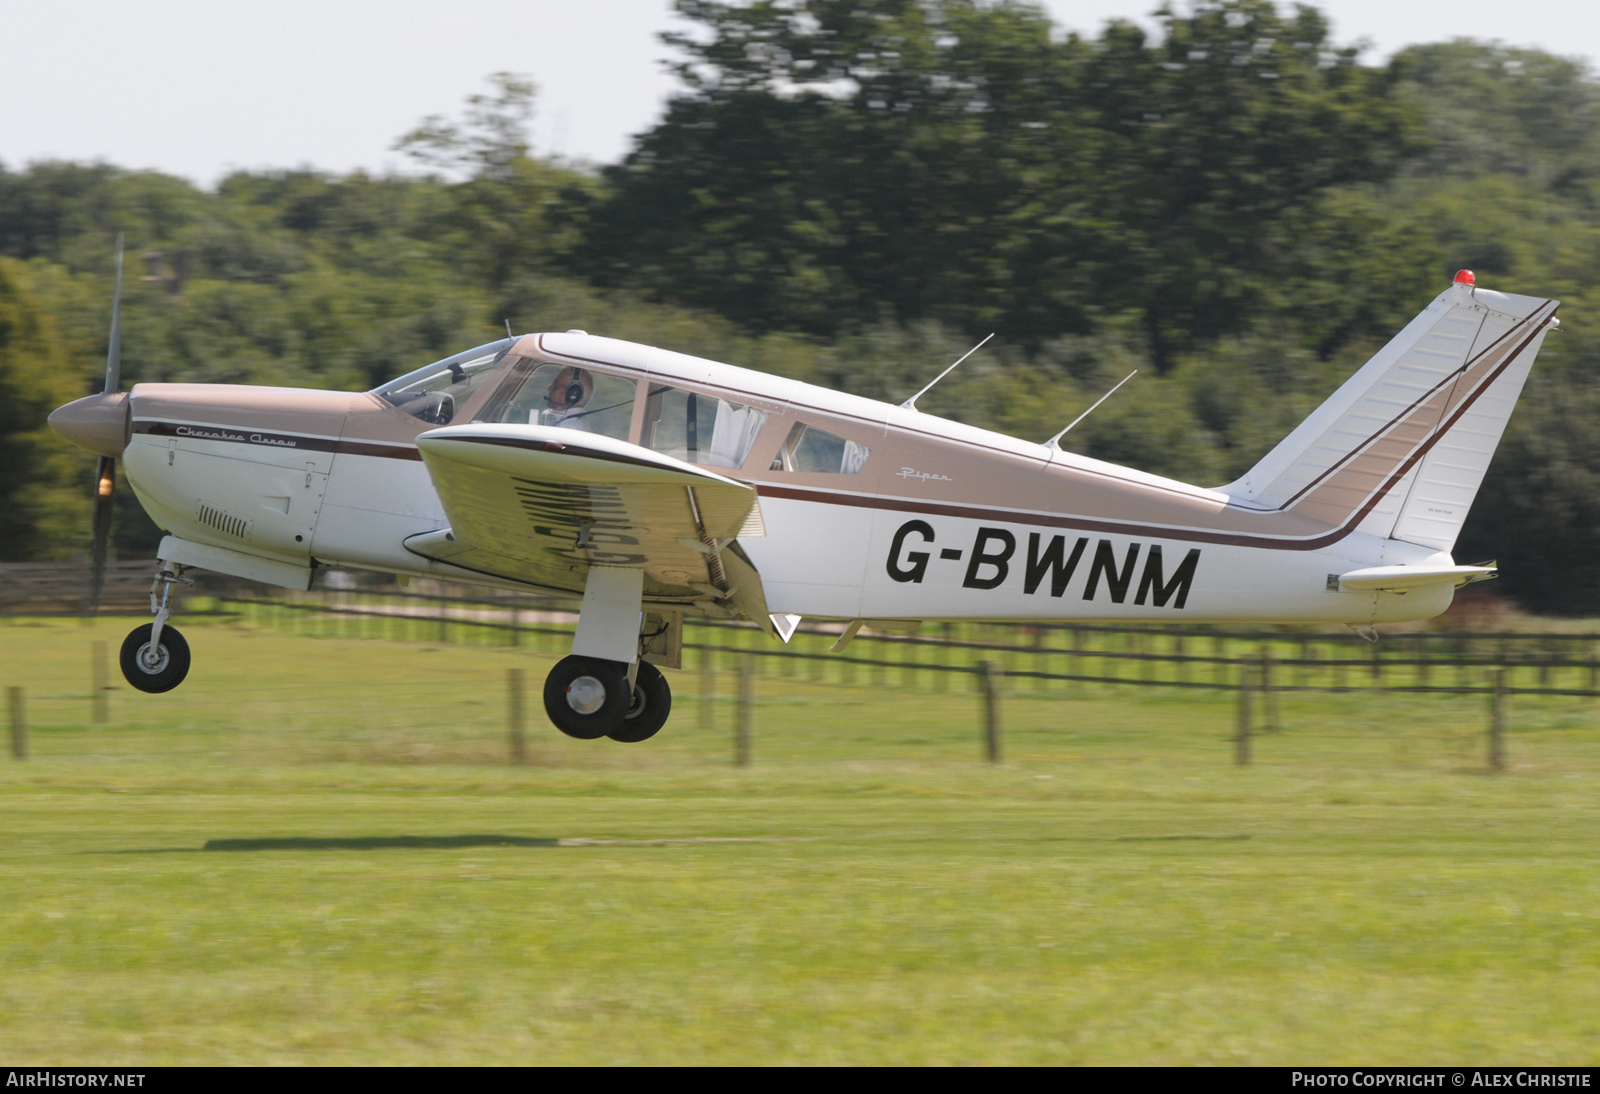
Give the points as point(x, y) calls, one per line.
point(435, 392)
point(537, 393)
point(814, 450)
point(700, 429)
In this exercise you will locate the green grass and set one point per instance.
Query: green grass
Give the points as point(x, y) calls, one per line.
point(869, 891)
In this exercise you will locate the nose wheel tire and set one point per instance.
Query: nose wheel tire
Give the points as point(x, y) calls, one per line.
point(586, 697)
point(157, 670)
point(647, 713)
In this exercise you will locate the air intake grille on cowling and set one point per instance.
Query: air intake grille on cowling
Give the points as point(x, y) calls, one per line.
point(222, 522)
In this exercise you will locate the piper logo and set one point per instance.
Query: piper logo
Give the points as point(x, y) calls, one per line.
point(989, 563)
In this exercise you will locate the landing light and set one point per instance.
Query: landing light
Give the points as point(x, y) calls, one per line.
point(1465, 277)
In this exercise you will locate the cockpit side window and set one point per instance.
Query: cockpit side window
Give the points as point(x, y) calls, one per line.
point(434, 393)
point(536, 393)
point(809, 449)
point(700, 429)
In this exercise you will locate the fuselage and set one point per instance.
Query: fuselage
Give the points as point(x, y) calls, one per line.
point(870, 510)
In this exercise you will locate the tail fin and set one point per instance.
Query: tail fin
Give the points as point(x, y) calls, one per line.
point(1401, 448)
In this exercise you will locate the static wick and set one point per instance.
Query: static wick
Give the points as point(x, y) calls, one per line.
point(1053, 441)
point(911, 403)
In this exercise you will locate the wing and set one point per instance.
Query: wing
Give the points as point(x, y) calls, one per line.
point(542, 504)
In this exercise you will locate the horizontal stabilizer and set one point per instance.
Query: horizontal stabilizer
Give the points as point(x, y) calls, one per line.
point(1401, 578)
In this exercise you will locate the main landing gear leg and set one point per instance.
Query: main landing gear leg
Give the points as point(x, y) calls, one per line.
point(155, 657)
point(604, 689)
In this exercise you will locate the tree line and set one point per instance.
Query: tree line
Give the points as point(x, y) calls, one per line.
point(853, 192)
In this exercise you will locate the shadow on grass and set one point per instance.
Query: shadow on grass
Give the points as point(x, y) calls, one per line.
point(381, 843)
point(373, 843)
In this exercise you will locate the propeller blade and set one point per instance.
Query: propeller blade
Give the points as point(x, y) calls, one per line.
point(105, 470)
point(114, 350)
point(105, 478)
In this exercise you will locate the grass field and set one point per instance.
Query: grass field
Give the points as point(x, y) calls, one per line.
point(381, 886)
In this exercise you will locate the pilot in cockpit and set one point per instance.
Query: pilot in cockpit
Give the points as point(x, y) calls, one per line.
point(568, 399)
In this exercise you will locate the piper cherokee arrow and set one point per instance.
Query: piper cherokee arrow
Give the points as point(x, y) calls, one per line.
point(656, 485)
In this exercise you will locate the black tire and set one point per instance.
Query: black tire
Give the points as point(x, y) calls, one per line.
point(573, 704)
point(171, 667)
point(647, 713)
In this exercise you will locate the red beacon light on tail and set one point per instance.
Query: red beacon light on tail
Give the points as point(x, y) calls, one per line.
point(1466, 277)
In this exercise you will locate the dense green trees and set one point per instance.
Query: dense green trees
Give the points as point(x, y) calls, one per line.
point(954, 160)
point(37, 508)
point(854, 191)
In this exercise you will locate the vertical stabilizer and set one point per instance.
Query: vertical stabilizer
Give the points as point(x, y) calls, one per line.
point(1401, 448)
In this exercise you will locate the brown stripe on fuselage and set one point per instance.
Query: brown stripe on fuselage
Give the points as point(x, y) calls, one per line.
point(382, 451)
point(1043, 520)
point(233, 435)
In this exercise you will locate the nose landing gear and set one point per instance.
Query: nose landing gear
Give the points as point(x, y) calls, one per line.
point(155, 657)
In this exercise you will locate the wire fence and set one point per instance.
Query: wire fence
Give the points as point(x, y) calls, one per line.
point(1256, 666)
point(1043, 657)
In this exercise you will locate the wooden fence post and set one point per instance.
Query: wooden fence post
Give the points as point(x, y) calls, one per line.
point(708, 687)
point(1269, 697)
point(747, 709)
point(100, 701)
point(19, 722)
point(518, 723)
point(1241, 739)
point(990, 679)
point(1497, 722)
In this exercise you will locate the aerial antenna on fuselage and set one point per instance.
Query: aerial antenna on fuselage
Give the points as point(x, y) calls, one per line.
point(911, 403)
point(507, 322)
point(1052, 442)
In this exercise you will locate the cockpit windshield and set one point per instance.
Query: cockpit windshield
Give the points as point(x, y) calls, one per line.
point(435, 392)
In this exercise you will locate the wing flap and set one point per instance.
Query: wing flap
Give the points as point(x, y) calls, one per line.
point(543, 504)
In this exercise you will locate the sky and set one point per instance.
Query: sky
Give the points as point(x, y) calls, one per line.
point(201, 87)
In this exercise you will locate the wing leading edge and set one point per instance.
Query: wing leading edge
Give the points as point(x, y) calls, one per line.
point(542, 504)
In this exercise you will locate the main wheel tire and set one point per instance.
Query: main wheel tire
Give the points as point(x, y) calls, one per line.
point(586, 697)
point(169, 667)
point(652, 702)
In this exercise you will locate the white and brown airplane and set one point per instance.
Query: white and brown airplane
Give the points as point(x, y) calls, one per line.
point(654, 484)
